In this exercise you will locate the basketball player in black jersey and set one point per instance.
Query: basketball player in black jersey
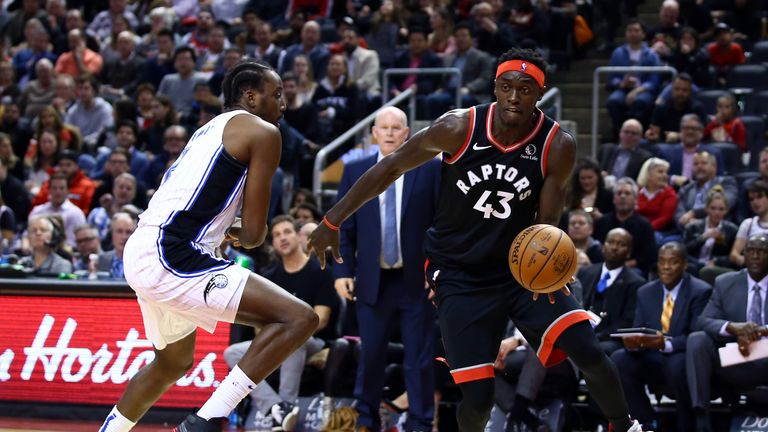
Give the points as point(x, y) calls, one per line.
point(505, 167)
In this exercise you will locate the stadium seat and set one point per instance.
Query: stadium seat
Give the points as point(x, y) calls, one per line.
point(731, 157)
point(748, 76)
point(708, 99)
point(755, 138)
point(757, 104)
point(759, 53)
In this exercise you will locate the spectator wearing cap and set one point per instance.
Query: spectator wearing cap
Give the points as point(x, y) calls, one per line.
point(57, 202)
point(724, 53)
point(79, 59)
point(81, 188)
point(39, 92)
point(123, 74)
point(180, 86)
point(91, 114)
point(101, 25)
point(311, 47)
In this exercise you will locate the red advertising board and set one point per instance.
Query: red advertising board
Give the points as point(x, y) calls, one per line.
point(85, 350)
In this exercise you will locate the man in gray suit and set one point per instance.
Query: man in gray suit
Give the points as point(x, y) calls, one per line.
point(363, 64)
point(475, 66)
point(692, 198)
point(123, 225)
point(735, 312)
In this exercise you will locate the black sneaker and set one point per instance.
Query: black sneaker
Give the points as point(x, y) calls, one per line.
point(195, 423)
point(284, 416)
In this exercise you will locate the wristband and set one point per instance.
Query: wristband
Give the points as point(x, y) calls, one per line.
point(329, 224)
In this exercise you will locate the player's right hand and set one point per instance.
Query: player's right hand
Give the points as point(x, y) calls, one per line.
point(345, 287)
point(320, 240)
point(565, 290)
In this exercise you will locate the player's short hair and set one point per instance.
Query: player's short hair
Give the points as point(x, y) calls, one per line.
point(244, 75)
point(527, 55)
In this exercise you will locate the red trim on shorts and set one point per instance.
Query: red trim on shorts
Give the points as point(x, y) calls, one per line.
point(470, 133)
point(473, 373)
point(547, 353)
point(426, 264)
point(545, 151)
point(513, 146)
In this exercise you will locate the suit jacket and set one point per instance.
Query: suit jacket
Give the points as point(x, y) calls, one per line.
point(619, 299)
point(367, 71)
point(426, 83)
point(360, 243)
point(674, 155)
point(728, 304)
point(720, 252)
point(644, 244)
point(686, 196)
point(477, 72)
point(691, 299)
point(105, 261)
point(609, 152)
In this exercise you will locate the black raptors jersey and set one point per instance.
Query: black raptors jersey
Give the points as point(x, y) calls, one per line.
point(489, 192)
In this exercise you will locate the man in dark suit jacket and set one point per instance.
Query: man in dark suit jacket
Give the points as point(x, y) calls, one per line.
point(610, 288)
point(659, 360)
point(736, 312)
point(626, 158)
point(123, 225)
point(390, 283)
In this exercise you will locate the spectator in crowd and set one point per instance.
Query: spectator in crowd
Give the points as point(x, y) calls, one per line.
point(42, 164)
point(74, 21)
point(746, 24)
point(632, 95)
point(665, 121)
point(8, 85)
point(197, 39)
point(709, 240)
point(122, 74)
point(163, 115)
point(494, 36)
point(758, 224)
point(300, 114)
point(387, 277)
point(735, 313)
point(475, 67)
point(43, 237)
point(698, 16)
point(91, 114)
point(724, 53)
point(123, 225)
point(174, 141)
point(8, 227)
point(663, 37)
point(300, 275)
point(744, 210)
point(310, 46)
point(212, 58)
point(693, 195)
point(581, 226)
point(39, 92)
point(681, 156)
point(160, 18)
point(588, 191)
point(145, 92)
point(50, 119)
point(80, 59)
point(689, 57)
point(14, 165)
point(15, 28)
point(671, 306)
point(81, 188)
point(230, 57)
point(441, 41)
point(625, 159)
point(15, 126)
point(123, 193)
point(610, 288)
point(304, 232)
point(37, 48)
point(58, 203)
point(162, 62)
point(417, 55)
point(127, 135)
point(302, 68)
point(102, 23)
point(65, 94)
point(266, 50)
point(87, 241)
point(726, 126)
point(109, 48)
point(625, 201)
point(14, 194)
point(336, 99)
point(363, 64)
point(119, 162)
point(306, 213)
point(386, 28)
point(180, 86)
point(657, 200)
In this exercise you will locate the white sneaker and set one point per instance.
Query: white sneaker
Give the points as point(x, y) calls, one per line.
point(285, 415)
point(636, 427)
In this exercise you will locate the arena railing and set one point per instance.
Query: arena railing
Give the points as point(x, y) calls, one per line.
point(604, 70)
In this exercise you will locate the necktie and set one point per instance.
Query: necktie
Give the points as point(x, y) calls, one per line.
point(666, 313)
point(756, 308)
point(603, 284)
point(390, 226)
point(117, 268)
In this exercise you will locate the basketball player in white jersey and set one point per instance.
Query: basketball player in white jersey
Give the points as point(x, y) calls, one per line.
point(170, 259)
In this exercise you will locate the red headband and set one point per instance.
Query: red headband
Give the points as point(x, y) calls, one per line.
point(527, 68)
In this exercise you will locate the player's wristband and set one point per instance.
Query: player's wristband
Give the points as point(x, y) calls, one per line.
point(329, 224)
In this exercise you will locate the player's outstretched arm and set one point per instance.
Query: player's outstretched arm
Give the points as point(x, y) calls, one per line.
point(446, 134)
point(249, 138)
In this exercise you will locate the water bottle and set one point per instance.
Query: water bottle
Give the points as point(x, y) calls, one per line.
point(245, 261)
point(93, 261)
point(234, 420)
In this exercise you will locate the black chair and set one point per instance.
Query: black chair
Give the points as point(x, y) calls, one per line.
point(708, 99)
point(757, 104)
point(759, 53)
point(748, 76)
point(731, 157)
point(755, 138)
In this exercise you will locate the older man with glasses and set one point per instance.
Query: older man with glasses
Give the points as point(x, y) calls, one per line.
point(87, 242)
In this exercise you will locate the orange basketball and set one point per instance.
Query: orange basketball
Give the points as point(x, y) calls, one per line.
point(542, 258)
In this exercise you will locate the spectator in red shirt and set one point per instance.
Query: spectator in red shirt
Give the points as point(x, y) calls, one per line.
point(657, 200)
point(724, 53)
point(727, 126)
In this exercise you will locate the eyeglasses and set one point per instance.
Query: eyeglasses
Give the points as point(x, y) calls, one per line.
point(85, 239)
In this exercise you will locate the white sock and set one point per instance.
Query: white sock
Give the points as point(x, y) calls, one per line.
point(116, 422)
point(230, 392)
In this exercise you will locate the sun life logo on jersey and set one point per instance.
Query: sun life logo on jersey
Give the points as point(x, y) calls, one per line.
point(530, 153)
point(217, 281)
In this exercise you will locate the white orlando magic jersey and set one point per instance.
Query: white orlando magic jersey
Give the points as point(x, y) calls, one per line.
point(200, 194)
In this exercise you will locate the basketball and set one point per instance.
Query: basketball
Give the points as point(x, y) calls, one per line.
point(542, 258)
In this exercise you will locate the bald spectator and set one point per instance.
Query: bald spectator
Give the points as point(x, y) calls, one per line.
point(90, 113)
point(663, 37)
point(626, 158)
point(101, 25)
point(80, 59)
point(123, 74)
point(311, 47)
point(39, 92)
point(123, 225)
point(59, 204)
point(180, 86)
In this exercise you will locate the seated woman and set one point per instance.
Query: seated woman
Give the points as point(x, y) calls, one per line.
point(709, 241)
point(43, 259)
point(727, 126)
point(657, 200)
point(588, 191)
point(41, 165)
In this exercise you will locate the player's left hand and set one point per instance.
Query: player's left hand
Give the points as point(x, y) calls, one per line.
point(565, 290)
point(320, 240)
point(233, 233)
